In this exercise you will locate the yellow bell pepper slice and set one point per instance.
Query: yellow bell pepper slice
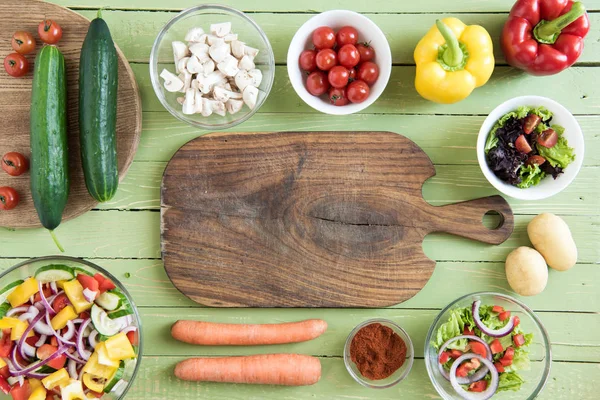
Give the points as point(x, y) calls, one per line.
point(92, 384)
point(9, 322)
point(2, 363)
point(453, 59)
point(103, 356)
point(74, 292)
point(65, 315)
point(73, 390)
point(119, 347)
point(34, 383)
point(38, 393)
point(93, 367)
point(58, 378)
point(23, 292)
point(18, 330)
point(61, 284)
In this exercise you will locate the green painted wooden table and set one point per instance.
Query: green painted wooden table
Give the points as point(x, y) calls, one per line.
point(123, 235)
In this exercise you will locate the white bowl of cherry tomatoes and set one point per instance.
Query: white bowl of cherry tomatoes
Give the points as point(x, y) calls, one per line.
point(339, 62)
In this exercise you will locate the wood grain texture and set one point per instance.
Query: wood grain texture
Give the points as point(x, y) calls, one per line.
point(15, 101)
point(317, 219)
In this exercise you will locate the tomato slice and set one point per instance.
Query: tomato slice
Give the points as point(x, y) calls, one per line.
point(444, 357)
point(517, 320)
point(21, 392)
point(47, 293)
point(4, 372)
point(468, 331)
point(88, 282)
point(535, 160)
point(548, 138)
point(104, 283)
point(4, 385)
point(505, 362)
point(462, 371)
point(496, 346)
point(497, 309)
point(5, 344)
point(46, 350)
point(509, 354)
point(478, 386)
point(32, 340)
point(455, 353)
point(499, 367)
point(503, 316)
point(522, 145)
point(60, 302)
point(478, 348)
point(531, 122)
point(519, 340)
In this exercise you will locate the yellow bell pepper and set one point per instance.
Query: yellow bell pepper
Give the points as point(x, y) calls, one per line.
point(2, 363)
point(34, 383)
point(74, 292)
point(23, 292)
point(9, 322)
point(73, 391)
point(95, 368)
point(119, 347)
point(16, 326)
point(65, 315)
point(61, 284)
point(39, 393)
point(92, 384)
point(59, 378)
point(104, 358)
point(453, 59)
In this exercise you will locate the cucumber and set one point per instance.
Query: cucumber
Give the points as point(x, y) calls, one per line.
point(123, 310)
point(98, 82)
point(79, 270)
point(8, 289)
point(54, 272)
point(109, 301)
point(116, 377)
point(45, 369)
point(4, 309)
point(102, 323)
point(49, 150)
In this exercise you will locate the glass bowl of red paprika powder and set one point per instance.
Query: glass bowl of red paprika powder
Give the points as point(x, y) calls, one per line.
point(378, 353)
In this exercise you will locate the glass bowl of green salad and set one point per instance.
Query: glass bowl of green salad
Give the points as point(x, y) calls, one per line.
point(530, 148)
point(487, 345)
point(69, 330)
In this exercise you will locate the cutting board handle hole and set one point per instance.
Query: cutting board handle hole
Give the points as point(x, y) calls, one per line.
point(492, 220)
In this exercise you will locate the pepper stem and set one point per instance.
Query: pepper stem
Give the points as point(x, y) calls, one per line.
point(453, 55)
point(548, 31)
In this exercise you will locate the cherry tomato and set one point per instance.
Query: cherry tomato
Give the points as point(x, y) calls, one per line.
point(548, 138)
point(324, 38)
point(539, 160)
point(338, 76)
point(16, 65)
point(357, 91)
point(368, 72)
point(348, 56)
point(326, 59)
point(338, 97)
point(307, 60)
point(15, 164)
point(23, 42)
point(60, 302)
point(9, 198)
point(316, 83)
point(531, 122)
point(347, 35)
point(352, 72)
point(522, 144)
point(367, 53)
point(50, 32)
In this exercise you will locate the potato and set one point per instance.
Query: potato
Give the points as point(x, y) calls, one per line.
point(526, 271)
point(550, 235)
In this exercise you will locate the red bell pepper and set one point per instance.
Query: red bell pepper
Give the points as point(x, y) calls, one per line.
point(544, 37)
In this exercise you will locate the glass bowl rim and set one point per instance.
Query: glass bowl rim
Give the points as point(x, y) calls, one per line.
point(156, 86)
point(548, 346)
point(409, 349)
point(115, 280)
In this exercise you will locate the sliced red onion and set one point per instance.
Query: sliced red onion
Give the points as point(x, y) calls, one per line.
point(72, 369)
point(56, 334)
point(28, 349)
point(92, 339)
point(53, 287)
point(44, 328)
point(13, 380)
point(16, 310)
point(39, 306)
point(480, 373)
point(21, 343)
point(81, 350)
point(70, 331)
point(41, 341)
point(123, 321)
point(45, 302)
point(25, 316)
point(32, 299)
point(74, 358)
point(19, 370)
point(505, 330)
point(78, 320)
point(492, 385)
point(89, 295)
point(128, 329)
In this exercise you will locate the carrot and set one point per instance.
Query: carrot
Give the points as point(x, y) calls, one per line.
point(266, 369)
point(215, 334)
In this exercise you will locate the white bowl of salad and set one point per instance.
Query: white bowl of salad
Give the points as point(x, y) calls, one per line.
point(530, 148)
point(69, 329)
point(487, 345)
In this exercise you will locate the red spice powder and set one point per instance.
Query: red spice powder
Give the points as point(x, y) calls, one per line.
point(377, 351)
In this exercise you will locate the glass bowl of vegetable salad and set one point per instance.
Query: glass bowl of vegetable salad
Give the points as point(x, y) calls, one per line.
point(487, 345)
point(69, 329)
point(530, 148)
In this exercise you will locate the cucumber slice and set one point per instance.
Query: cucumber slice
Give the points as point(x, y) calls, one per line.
point(109, 301)
point(102, 338)
point(116, 377)
point(123, 310)
point(45, 369)
point(4, 309)
point(8, 289)
point(79, 270)
point(52, 273)
point(102, 323)
point(130, 366)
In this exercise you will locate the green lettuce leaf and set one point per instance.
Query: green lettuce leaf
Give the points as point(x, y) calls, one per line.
point(521, 112)
point(455, 326)
point(561, 154)
point(510, 381)
point(531, 175)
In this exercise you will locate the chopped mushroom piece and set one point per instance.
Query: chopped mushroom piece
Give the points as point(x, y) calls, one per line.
point(250, 51)
point(208, 66)
point(194, 65)
point(206, 107)
point(229, 65)
point(256, 76)
point(237, 49)
point(206, 83)
point(182, 64)
point(230, 37)
point(180, 100)
point(250, 96)
point(186, 77)
point(222, 94)
point(242, 79)
point(198, 49)
point(219, 108)
point(180, 50)
point(212, 40)
point(172, 81)
point(233, 106)
point(246, 63)
point(221, 29)
point(218, 52)
point(194, 35)
point(198, 101)
point(189, 106)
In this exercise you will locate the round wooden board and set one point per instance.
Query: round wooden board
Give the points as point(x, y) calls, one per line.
point(15, 94)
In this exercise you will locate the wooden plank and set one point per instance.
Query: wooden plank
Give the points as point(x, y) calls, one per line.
point(402, 31)
point(119, 234)
point(400, 96)
point(151, 287)
point(445, 139)
point(383, 6)
point(566, 381)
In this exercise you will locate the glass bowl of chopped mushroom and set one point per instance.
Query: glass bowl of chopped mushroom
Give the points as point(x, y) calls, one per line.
point(212, 66)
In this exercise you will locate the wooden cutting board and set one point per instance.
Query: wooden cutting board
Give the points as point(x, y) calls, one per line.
point(307, 219)
point(15, 97)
